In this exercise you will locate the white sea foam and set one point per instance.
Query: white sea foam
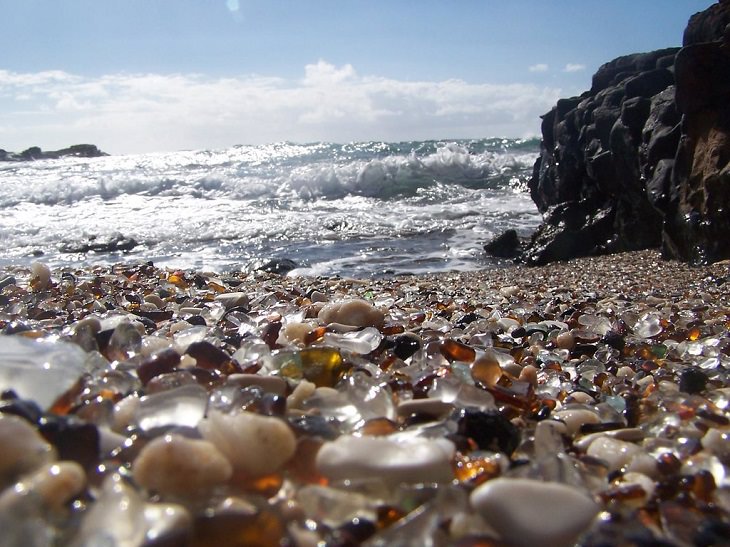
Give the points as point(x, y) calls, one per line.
point(353, 209)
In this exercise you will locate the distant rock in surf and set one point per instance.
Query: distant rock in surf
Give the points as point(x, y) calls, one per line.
point(114, 243)
point(35, 153)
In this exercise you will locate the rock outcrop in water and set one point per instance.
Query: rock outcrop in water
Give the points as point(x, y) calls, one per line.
point(641, 159)
point(35, 153)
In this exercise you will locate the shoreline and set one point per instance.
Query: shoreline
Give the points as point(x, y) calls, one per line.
point(580, 401)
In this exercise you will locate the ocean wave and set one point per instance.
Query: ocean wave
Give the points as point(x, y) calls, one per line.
point(277, 172)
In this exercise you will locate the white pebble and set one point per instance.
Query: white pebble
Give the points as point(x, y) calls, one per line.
point(232, 299)
point(40, 276)
point(574, 418)
point(23, 449)
point(257, 445)
point(716, 441)
point(615, 453)
point(529, 512)
point(303, 391)
point(414, 460)
point(180, 466)
point(54, 483)
point(165, 518)
point(296, 332)
point(354, 313)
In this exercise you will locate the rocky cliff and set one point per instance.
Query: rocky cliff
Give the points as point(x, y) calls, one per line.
point(641, 159)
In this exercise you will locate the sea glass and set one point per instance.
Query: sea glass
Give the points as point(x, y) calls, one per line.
point(182, 406)
point(40, 370)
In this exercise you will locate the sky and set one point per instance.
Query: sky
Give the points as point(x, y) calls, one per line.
point(136, 76)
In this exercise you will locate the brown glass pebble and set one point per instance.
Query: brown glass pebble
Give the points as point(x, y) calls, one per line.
point(456, 351)
point(263, 529)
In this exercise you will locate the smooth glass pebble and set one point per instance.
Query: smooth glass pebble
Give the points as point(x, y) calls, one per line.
point(362, 342)
point(40, 370)
point(183, 406)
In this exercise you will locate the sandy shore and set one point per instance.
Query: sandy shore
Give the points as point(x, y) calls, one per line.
point(582, 402)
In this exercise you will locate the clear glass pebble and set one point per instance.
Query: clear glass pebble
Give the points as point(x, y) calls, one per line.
point(40, 370)
point(182, 407)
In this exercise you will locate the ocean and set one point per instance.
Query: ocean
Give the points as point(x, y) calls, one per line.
point(359, 210)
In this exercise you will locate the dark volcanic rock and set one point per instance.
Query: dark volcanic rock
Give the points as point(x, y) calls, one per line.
point(115, 243)
point(280, 266)
point(35, 153)
point(590, 178)
point(708, 25)
point(505, 245)
point(641, 159)
point(697, 208)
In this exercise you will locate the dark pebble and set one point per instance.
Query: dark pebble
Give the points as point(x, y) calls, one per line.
point(23, 408)
point(406, 345)
point(490, 430)
point(692, 381)
point(74, 440)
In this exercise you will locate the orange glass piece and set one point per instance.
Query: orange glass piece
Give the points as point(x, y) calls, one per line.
point(178, 280)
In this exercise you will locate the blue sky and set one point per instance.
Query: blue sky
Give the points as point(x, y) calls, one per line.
point(154, 75)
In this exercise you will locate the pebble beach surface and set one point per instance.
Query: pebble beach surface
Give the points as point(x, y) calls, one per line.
point(581, 403)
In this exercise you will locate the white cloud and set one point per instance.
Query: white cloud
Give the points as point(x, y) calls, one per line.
point(540, 67)
point(124, 113)
point(574, 67)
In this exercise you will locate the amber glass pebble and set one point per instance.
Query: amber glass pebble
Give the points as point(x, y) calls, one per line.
point(387, 515)
point(378, 427)
point(694, 334)
point(266, 486)
point(314, 335)
point(322, 366)
point(456, 351)
point(392, 328)
point(302, 466)
point(703, 486)
point(474, 470)
point(212, 285)
point(486, 370)
point(178, 280)
point(623, 493)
